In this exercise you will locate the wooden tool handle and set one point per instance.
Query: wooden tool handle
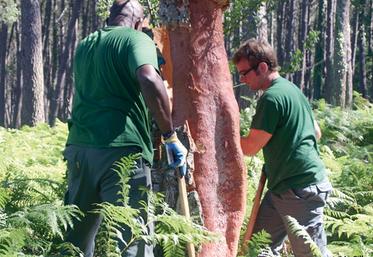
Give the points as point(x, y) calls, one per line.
point(254, 212)
point(183, 199)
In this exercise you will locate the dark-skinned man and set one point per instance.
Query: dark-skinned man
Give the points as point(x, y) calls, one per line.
point(284, 127)
point(116, 83)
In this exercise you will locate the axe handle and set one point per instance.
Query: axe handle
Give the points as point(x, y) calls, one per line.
point(183, 199)
point(254, 212)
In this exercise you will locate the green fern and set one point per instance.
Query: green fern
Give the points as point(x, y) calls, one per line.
point(172, 231)
point(297, 230)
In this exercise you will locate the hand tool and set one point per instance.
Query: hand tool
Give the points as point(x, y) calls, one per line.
point(254, 212)
point(183, 199)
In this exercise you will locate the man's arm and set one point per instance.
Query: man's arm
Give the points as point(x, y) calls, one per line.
point(156, 97)
point(317, 130)
point(255, 141)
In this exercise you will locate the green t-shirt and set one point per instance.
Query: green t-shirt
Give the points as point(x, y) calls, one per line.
point(291, 155)
point(108, 108)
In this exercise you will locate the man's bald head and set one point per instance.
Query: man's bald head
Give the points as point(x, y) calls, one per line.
point(127, 13)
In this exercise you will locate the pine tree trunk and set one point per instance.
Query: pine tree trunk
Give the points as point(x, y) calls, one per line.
point(3, 43)
point(355, 32)
point(303, 31)
point(204, 97)
point(17, 94)
point(318, 71)
point(32, 64)
point(362, 59)
point(279, 32)
point(342, 60)
point(289, 38)
point(370, 44)
point(263, 22)
point(57, 100)
point(329, 75)
point(47, 55)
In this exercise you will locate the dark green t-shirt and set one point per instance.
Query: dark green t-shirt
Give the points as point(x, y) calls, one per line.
point(108, 108)
point(291, 155)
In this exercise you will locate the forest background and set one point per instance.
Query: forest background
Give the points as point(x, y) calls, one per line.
point(323, 46)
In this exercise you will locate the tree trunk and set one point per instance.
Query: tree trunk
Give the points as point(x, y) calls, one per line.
point(279, 32)
point(3, 44)
point(204, 97)
point(17, 91)
point(263, 22)
point(355, 32)
point(347, 46)
point(370, 44)
point(318, 71)
point(32, 64)
point(342, 54)
point(289, 38)
point(270, 27)
point(303, 31)
point(57, 100)
point(329, 75)
point(362, 60)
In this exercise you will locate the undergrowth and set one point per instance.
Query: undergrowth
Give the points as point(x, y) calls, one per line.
point(33, 220)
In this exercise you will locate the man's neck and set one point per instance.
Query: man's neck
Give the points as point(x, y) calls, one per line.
point(270, 78)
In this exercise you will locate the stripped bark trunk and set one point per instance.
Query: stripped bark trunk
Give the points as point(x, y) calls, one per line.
point(204, 97)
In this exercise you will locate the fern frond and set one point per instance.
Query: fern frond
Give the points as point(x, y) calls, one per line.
point(125, 168)
point(297, 230)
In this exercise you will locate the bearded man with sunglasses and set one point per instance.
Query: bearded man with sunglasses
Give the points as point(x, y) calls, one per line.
point(117, 83)
point(284, 127)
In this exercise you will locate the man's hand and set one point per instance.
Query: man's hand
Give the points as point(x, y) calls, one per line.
point(178, 154)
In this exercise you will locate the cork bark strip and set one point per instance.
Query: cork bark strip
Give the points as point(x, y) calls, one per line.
point(203, 95)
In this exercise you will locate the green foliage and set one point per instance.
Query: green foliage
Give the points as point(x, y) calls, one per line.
point(8, 11)
point(32, 218)
point(33, 230)
point(246, 116)
point(103, 8)
point(259, 244)
point(172, 231)
point(297, 230)
point(297, 57)
point(347, 151)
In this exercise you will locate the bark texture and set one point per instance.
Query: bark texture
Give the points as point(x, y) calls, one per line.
point(203, 96)
point(32, 64)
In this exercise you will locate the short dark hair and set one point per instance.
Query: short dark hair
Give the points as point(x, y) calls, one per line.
point(124, 12)
point(257, 51)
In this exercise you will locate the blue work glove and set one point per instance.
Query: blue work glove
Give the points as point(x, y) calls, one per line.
point(176, 154)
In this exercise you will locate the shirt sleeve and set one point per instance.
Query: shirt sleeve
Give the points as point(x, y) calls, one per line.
point(267, 115)
point(142, 51)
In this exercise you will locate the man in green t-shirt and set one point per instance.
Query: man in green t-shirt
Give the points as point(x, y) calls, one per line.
point(116, 80)
point(284, 127)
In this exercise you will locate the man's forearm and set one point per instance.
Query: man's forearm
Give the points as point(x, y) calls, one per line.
point(156, 97)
